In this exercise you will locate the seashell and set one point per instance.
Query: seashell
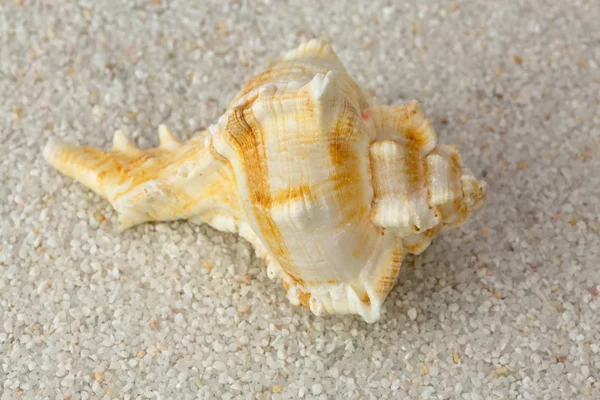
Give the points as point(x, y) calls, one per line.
point(330, 187)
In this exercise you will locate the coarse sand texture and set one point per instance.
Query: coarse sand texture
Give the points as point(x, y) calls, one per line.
point(505, 307)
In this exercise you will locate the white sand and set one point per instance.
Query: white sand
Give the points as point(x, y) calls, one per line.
point(507, 307)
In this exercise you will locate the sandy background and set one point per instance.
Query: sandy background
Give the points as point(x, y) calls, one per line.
point(507, 307)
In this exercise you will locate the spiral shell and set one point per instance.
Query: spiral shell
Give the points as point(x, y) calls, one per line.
point(330, 187)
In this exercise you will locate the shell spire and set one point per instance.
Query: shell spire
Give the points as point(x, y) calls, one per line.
point(331, 188)
point(419, 186)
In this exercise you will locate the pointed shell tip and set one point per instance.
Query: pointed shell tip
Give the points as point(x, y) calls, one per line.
point(121, 141)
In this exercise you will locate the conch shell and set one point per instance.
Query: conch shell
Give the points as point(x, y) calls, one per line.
point(330, 187)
